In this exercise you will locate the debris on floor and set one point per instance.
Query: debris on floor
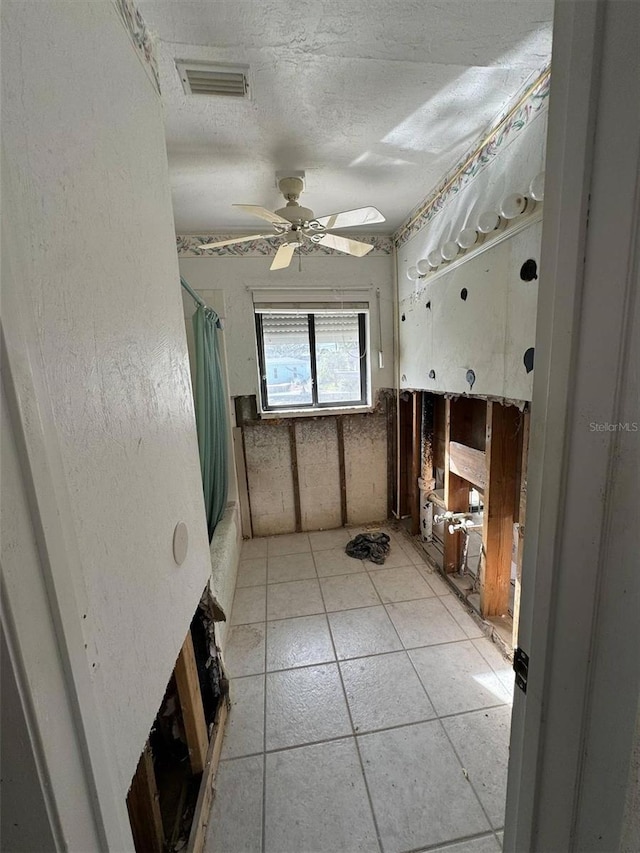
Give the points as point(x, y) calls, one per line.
point(369, 546)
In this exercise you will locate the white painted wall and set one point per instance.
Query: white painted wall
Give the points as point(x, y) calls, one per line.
point(491, 330)
point(89, 230)
point(237, 276)
point(488, 332)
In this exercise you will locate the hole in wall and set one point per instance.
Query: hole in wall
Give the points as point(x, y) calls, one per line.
point(432, 374)
point(463, 294)
point(528, 359)
point(529, 270)
point(403, 318)
point(428, 305)
point(471, 378)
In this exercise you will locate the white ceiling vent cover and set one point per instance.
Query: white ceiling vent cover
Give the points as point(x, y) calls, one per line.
point(207, 78)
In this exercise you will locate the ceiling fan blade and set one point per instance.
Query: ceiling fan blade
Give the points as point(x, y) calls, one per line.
point(234, 240)
point(343, 244)
point(263, 213)
point(283, 256)
point(351, 218)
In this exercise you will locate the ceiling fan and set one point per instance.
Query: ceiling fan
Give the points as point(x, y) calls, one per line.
point(295, 224)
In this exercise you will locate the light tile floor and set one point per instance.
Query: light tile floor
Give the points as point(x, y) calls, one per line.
point(368, 710)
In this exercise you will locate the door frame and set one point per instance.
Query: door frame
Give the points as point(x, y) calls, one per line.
point(574, 730)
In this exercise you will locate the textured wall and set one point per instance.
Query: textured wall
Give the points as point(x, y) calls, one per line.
point(91, 240)
point(236, 276)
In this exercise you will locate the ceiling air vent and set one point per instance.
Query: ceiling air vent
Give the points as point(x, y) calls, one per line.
point(205, 78)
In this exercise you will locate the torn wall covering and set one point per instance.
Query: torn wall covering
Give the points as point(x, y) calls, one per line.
point(479, 315)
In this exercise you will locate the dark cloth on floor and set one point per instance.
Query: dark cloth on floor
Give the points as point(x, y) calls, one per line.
point(369, 546)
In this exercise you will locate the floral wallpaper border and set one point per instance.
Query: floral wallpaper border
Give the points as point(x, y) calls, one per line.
point(141, 38)
point(188, 246)
point(510, 123)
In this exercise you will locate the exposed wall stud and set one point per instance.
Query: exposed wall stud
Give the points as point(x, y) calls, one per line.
point(499, 498)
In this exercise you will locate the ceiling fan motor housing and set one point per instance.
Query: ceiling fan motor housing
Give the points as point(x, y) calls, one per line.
point(291, 188)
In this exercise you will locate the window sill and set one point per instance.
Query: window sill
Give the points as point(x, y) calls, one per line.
point(315, 413)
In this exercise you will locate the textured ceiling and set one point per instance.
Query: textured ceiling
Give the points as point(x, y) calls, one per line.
point(374, 100)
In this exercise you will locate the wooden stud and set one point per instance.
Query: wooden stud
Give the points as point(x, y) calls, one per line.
point(186, 673)
point(522, 511)
point(143, 805)
point(392, 451)
point(342, 471)
point(197, 835)
point(243, 486)
point(294, 474)
point(416, 449)
point(501, 453)
point(456, 498)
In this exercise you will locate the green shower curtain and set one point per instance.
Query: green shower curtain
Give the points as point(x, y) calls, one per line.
point(211, 418)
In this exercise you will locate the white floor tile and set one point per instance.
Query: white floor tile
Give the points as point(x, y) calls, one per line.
point(316, 801)
point(468, 624)
point(252, 572)
point(236, 817)
point(347, 592)
point(244, 651)
point(253, 548)
point(305, 705)
point(336, 562)
point(419, 792)
point(424, 622)
point(457, 678)
point(502, 666)
point(481, 739)
point(487, 844)
point(400, 584)
point(289, 543)
point(384, 691)
point(244, 731)
point(397, 556)
point(298, 642)
point(368, 631)
point(325, 540)
point(296, 598)
point(248, 605)
point(437, 583)
point(290, 567)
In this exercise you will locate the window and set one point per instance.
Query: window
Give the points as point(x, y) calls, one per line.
point(312, 358)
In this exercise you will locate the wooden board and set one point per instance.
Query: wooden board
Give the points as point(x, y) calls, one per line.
point(468, 463)
point(416, 450)
point(243, 488)
point(143, 805)
point(522, 512)
point(186, 674)
point(198, 833)
point(503, 423)
point(342, 470)
point(456, 498)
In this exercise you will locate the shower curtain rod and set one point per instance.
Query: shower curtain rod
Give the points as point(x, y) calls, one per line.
point(200, 302)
